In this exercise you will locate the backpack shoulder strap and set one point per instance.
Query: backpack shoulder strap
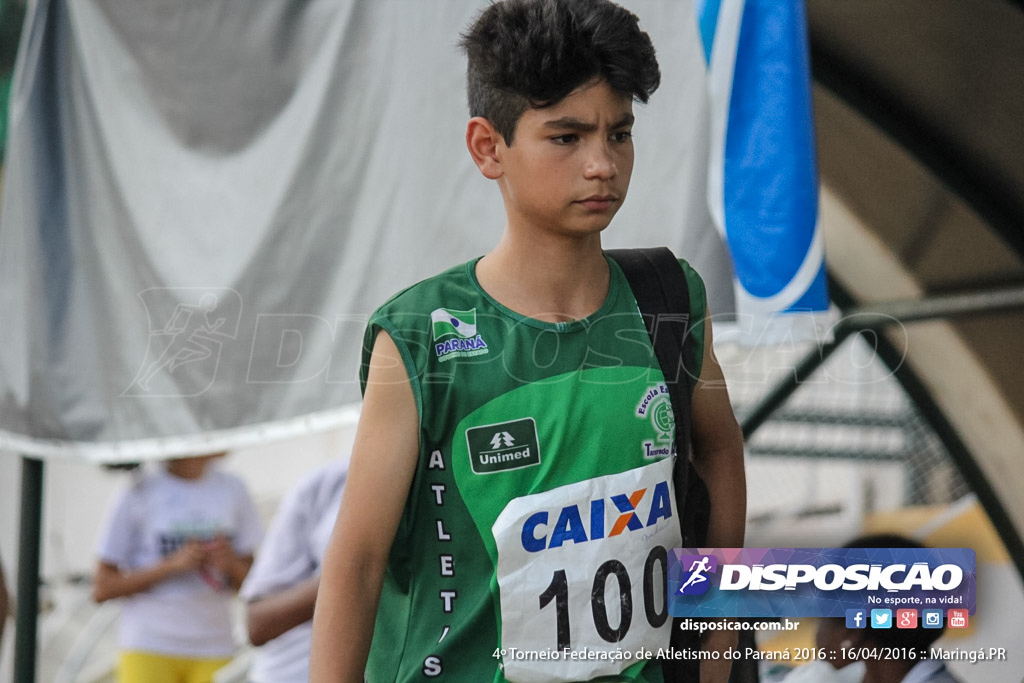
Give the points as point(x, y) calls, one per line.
point(663, 296)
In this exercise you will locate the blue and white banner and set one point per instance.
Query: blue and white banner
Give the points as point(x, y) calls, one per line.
point(762, 169)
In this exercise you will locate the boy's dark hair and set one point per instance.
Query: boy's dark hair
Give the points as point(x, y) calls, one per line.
point(533, 53)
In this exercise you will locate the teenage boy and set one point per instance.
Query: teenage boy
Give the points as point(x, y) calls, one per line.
point(509, 504)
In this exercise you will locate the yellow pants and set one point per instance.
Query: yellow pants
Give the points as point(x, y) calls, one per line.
point(149, 667)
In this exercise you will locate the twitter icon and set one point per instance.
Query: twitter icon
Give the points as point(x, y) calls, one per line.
point(881, 618)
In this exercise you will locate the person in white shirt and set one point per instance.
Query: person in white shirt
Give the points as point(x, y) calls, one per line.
point(177, 545)
point(281, 589)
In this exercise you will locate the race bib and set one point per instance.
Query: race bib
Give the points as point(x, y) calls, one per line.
point(582, 575)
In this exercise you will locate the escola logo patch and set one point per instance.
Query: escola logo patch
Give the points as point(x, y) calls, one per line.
point(504, 446)
point(656, 406)
point(455, 334)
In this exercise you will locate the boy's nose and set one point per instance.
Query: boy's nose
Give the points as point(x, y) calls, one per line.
point(600, 163)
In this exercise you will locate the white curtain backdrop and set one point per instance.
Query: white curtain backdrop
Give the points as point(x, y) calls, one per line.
point(204, 201)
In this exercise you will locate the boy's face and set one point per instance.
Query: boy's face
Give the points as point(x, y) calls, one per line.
point(569, 166)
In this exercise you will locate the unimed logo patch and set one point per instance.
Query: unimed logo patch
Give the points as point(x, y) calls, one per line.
point(504, 446)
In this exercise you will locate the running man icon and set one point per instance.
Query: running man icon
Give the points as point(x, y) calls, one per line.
point(189, 326)
point(189, 330)
point(698, 569)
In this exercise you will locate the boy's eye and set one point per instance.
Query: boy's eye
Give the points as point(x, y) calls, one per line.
point(566, 139)
point(622, 136)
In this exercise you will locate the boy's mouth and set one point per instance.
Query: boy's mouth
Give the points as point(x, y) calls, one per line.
point(598, 202)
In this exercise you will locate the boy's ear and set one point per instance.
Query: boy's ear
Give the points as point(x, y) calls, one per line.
point(482, 140)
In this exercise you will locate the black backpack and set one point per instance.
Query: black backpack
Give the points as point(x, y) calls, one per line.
point(663, 296)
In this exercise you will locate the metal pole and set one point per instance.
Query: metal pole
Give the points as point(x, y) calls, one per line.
point(877, 316)
point(28, 570)
point(784, 388)
point(940, 307)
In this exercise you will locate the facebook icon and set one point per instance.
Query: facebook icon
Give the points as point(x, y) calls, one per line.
point(856, 618)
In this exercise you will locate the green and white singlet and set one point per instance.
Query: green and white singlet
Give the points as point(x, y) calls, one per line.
point(534, 539)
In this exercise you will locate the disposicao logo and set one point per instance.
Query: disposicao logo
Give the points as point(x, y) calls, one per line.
point(695, 580)
point(810, 582)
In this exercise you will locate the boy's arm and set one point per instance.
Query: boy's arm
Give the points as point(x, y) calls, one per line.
point(718, 453)
point(383, 463)
point(718, 458)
